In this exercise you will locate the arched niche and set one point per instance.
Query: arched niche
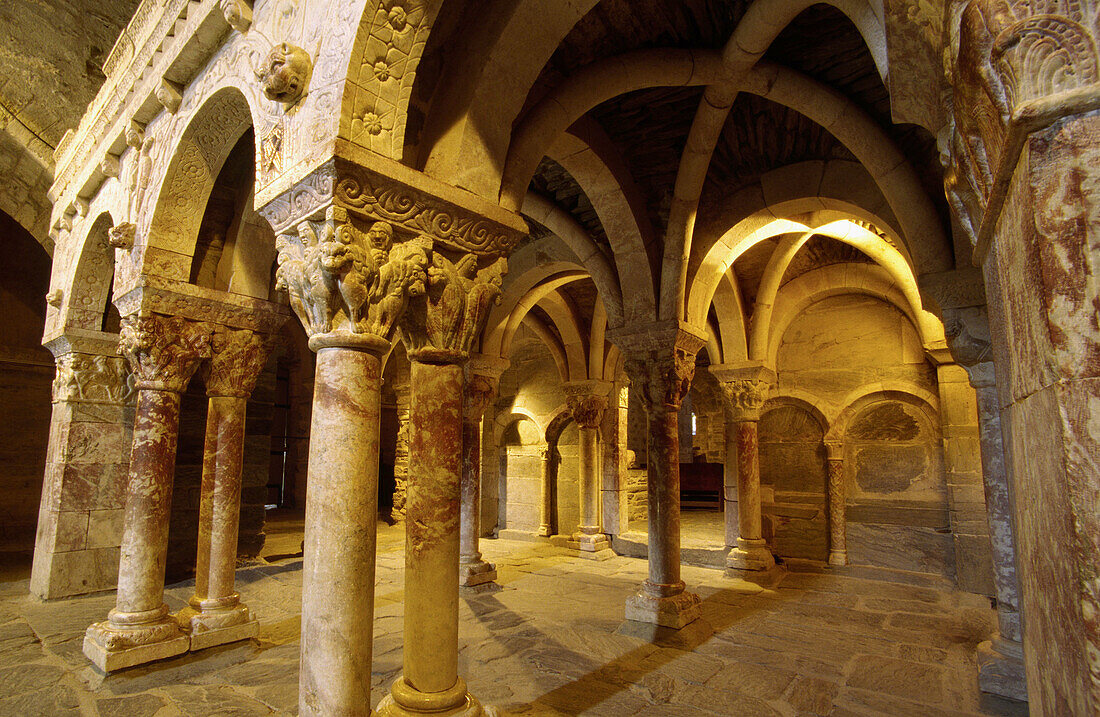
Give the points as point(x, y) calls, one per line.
point(793, 470)
point(521, 445)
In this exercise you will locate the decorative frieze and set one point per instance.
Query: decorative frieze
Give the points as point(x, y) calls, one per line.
point(93, 378)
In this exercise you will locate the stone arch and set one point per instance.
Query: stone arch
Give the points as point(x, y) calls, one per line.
point(382, 69)
point(88, 297)
point(859, 399)
point(197, 159)
point(836, 280)
point(506, 419)
point(802, 400)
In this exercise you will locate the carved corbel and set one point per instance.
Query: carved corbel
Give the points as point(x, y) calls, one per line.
point(54, 298)
point(238, 13)
point(170, 96)
point(122, 236)
point(285, 74)
point(110, 166)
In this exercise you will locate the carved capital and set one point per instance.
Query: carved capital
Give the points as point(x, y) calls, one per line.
point(661, 364)
point(587, 401)
point(345, 281)
point(480, 391)
point(442, 323)
point(743, 388)
point(1015, 68)
point(237, 356)
point(163, 351)
point(92, 378)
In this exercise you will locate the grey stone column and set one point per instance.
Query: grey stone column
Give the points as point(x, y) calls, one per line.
point(587, 402)
point(838, 521)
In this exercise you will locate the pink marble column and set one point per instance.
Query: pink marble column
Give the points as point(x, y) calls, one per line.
point(472, 569)
point(838, 523)
point(587, 402)
point(730, 482)
point(744, 389)
point(545, 492)
point(164, 353)
point(215, 614)
point(340, 527)
point(662, 377)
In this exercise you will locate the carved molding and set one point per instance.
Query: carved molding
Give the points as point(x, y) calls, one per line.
point(412, 210)
point(163, 351)
point(237, 356)
point(92, 378)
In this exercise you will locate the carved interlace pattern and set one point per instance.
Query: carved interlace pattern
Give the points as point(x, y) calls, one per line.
point(93, 379)
point(342, 279)
point(237, 356)
point(163, 351)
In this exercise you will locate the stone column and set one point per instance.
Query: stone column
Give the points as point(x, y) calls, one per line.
point(838, 522)
point(587, 402)
point(545, 492)
point(325, 267)
point(481, 386)
point(661, 367)
point(730, 482)
point(438, 331)
point(164, 353)
point(1022, 177)
point(216, 615)
point(744, 389)
point(80, 518)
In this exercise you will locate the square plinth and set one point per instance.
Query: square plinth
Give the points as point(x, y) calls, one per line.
point(674, 612)
point(473, 575)
point(112, 660)
point(200, 640)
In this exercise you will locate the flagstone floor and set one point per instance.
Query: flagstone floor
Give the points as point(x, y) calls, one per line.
point(550, 640)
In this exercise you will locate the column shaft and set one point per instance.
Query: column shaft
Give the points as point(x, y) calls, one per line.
point(472, 569)
point(748, 481)
point(730, 483)
point(545, 492)
point(663, 493)
point(341, 517)
point(148, 502)
point(431, 551)
point(838, 527)
point(588, 481)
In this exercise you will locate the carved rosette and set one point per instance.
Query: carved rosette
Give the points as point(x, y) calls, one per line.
point(587, 407)
point(443, 322)
point(163, 351)
point(744, 397)
point(480, 391)
point(237, 356)
point(344, 280)
point(93, 378)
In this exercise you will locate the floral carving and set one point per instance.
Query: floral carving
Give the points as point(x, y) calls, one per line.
point(342, 279)
point(453, 311)
point(92, 379)
point(237, 356)
point(285, 73)
point(163, 351)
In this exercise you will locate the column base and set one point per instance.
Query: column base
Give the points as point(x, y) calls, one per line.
point(838, 557)
point(476, 573)
point(591, 546)
point(128, 639)
point(544, 531)
point(405, 701)
point(217, 626)
point(1001, 669)
point(750, 555)
point(674, 611)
